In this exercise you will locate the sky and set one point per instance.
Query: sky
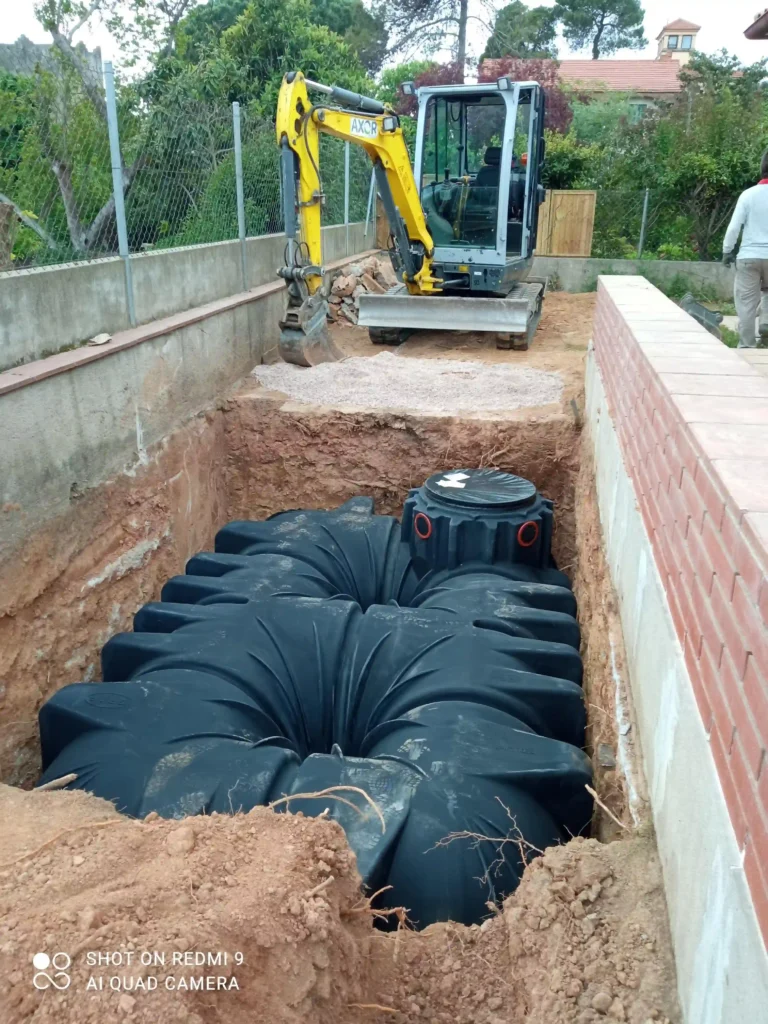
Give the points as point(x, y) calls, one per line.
point(723, 23)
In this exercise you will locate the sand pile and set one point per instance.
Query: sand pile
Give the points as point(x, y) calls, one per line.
point(583, 940)
point(258, 918)
point(433, 386)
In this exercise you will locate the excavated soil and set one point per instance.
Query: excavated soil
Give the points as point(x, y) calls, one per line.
point(583, 939)
point(270, 906)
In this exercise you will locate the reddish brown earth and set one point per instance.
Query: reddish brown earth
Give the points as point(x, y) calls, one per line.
point(584, 938)
point(80, 579)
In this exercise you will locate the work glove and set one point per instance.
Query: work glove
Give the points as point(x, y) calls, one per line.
point(728, 258)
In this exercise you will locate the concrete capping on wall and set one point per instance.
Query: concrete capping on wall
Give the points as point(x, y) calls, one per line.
point(580, 274)
point(31, 373)
point(679, 424)
point(48, 309)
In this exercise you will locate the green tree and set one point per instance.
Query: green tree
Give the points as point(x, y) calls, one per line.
point(203, 26)
point(21, 184)
point(599, 119)
point(520, 31)
point(700, 154)
point(276, 36)
point(65, 147)
point(424, 27)
point(569, 163)
point(368, 36)
point(188, 131)
point(604, 25)
point(362, 30)
point(391, 79)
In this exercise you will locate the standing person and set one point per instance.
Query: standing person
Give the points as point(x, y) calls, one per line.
point(751, 214)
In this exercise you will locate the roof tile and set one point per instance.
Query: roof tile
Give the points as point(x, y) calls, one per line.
point(679, 25)
point(646, 76)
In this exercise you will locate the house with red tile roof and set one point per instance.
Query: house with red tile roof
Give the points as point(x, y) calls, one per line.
point(645, 82)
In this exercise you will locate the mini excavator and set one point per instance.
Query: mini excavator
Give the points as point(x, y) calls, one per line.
point(462, 221)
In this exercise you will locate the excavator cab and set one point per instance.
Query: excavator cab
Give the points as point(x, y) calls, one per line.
point(479, 151)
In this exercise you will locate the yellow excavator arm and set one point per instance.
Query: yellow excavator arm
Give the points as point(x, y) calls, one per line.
point(376, 128)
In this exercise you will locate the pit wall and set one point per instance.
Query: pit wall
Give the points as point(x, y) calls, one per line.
point(48, 309)
point(678, 426)
point(577, 274)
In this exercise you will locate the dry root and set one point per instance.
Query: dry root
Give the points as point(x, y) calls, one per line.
point(513, 836)
point(333, 792)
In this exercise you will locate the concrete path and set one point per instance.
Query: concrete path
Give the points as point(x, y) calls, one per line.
point(756, 357)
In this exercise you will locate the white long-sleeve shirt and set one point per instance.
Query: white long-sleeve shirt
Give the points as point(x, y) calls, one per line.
point(751, 213)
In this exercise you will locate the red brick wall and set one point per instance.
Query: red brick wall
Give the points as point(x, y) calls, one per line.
point(692, 420)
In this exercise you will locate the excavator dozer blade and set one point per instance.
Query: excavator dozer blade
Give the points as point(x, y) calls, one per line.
point(304, 337)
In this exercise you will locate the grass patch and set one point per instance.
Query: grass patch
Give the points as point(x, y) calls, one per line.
point(729, 337)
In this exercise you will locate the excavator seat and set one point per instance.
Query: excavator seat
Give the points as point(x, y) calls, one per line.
point(488, 175)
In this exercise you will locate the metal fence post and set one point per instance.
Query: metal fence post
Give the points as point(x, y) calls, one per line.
point(346, 191)
point(239, 190)
point(369, 207)
point(117, 187)
point(644, 223)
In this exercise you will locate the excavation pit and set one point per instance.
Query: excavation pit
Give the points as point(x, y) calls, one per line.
point(77, 581)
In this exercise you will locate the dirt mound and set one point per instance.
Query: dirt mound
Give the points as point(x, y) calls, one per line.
point(260, 897)
point(584, 939)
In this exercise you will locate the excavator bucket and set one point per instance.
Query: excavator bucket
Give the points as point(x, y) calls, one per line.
point(304, 337)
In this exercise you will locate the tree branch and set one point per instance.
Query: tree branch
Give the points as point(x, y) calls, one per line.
point(99, 222)
point(69, 36)
point(92, 88)
point(29, 222)
point(419, 31)
point(64, 178)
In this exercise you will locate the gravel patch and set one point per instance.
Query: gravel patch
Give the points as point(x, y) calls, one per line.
point(388, 381)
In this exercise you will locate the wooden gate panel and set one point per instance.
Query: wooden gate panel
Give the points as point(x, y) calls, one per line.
point(566, 223)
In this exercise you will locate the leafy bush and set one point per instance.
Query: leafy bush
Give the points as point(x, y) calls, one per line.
point(568, 163)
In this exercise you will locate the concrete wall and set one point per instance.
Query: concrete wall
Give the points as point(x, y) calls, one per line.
point(49, 309)
point(72, 420)
point(688, 560)
point(69, 432)
point(574, 274)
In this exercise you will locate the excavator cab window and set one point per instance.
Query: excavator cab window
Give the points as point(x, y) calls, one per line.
point(460, 169)
point(516, 201)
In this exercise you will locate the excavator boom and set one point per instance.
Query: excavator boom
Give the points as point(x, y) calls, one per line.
point(373, 126)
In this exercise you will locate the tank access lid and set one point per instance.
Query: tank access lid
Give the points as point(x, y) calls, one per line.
point(479, 489)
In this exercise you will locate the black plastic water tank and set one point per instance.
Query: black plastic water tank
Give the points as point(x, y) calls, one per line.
point(477, 515)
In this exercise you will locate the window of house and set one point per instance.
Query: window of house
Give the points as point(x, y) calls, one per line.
point(687, 42)
point(672, 42)
point(638, 109)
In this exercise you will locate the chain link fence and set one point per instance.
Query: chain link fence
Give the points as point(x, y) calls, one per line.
point(55, 169)
point(626, 224)
point(63, 146)
point(641, 224)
